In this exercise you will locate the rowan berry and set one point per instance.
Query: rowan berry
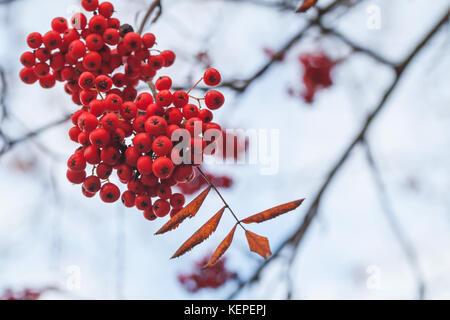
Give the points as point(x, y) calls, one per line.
point(114, 23)
point(163, 191)
point(78, 21)
point(86, 80)
point(103, 83)
point(76, 177)
point(83, 139)
point(103, 171)
point(87, 95)
point(28, 59)
point(154, 110)
point(125, 173)
point(190, 111)
point(144, 165)
point(52, 40)
point(171, 129)
point(161, 208)
point(34, 40)
point(212, 77)
point(47, 81)
point(173, 212)
point(110, 156)
point(139, 123)
point(57, 62)
point(92, 184)
point(194, 126)
point(143, 202)
point(142, 142)
point(180, 99)
point(111, 36)
point(100, 138)
point(164, 98)
point(184, 173)
point(97, 107)
point(109, 193)
point(132, 41)
point(59, 25)
point(149, 180)
point(94, 42)
point(87, 122)
point(148, 40)
point(163, 83)
point(128, 199)
point(73, 134)
point(144, 100)
point(92, 155)
point(92, 61)
point(157, 62)
point(162, 146)
point(173, 116)
point(113, 102)
point(89, 5)
point(42, 69)
point(106, 9)
point(214, 100)
point(28, 76)
point(177, 200)
point(149, 215)
point(76, 162)
point(155, 125)
point(132, 155)
point(163, 167)
point(129, 111)
point(110, 121)
point(169, 57)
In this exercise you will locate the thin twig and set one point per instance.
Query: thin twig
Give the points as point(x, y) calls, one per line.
point(220, 196)
point(396, 228)
point(155, 5)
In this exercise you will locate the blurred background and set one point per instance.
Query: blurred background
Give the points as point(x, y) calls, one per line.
point(377, 222)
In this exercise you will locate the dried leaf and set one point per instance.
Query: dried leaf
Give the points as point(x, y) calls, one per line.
point(273, 213)
point(306, 5)
point(258, 244)
point(223, 246)
point(201, 235)
point(188, 211)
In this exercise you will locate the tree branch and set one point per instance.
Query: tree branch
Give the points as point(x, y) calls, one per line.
point(295, 238)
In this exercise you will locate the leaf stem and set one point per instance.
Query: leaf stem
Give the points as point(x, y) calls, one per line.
point(221, 197)
point(195, 85)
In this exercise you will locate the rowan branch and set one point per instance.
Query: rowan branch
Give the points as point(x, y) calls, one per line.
point(155, 6)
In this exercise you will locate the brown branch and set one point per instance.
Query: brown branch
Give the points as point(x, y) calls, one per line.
point(295, 239)
point(155, 5)
point(11, 143)
point(396, 228)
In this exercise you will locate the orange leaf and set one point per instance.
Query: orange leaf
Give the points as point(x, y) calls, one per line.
point(223, 246)
point(258, 244)
point(188, 211)
point(306, 5)
point(273, 213)
point(201, 235)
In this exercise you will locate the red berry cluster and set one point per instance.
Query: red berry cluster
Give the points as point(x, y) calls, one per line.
point(317, 74)
point(102, 62)
point(199, 182)
point(26, 294)
point(213, 277)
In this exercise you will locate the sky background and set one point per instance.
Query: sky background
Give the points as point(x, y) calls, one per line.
point(47, 226)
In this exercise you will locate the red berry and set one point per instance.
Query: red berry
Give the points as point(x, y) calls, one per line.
point(180, 99)
point(154, 110)
point(98, 24)
point(184, 173)
point(143, 202)
point(205, 115)
point(111, 36)
point(92, 184)
point(110, 156)
point(149, 215)
point(125, 173)
point(87, 122)
point(148, 40)
point(110, 193)
point(143, 142)
point(34, 40)
point(92, 61)
point(76, 177)
point(92, 155)
point(177, 200)
point(28, 75)
point(128, 199)
point(155, 125)
point(52, 40)
point(194, 126)
point(132, 155)
point(42, 69)
point(144, 100)
point(113, 102)
point(162, 146)
point(163, 167)
point(59, 24)
point(28, 59)
point(97, 107)
point(144, 165)
point(76, 162)
point(214, 100)
point(132, 41)
point(106, 9)
point(129, 110)
point(169, 58)
point(163, 83)
point(161, 208)
point(164, 98)
point(103, 171)
point(212, 77)
point(164, 191)
point(100, 138)
point(190, 111)
point(110, 121)
point(48, 81)
point(157, 62)
point(78, 21)
point(86, 80)
point(94, 42)
point(103, 83)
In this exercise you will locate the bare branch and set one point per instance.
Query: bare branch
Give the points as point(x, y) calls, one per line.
point(155, 5)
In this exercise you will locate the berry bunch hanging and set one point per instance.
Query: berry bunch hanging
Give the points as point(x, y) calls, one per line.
point(130, 134)
point(101, 62)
